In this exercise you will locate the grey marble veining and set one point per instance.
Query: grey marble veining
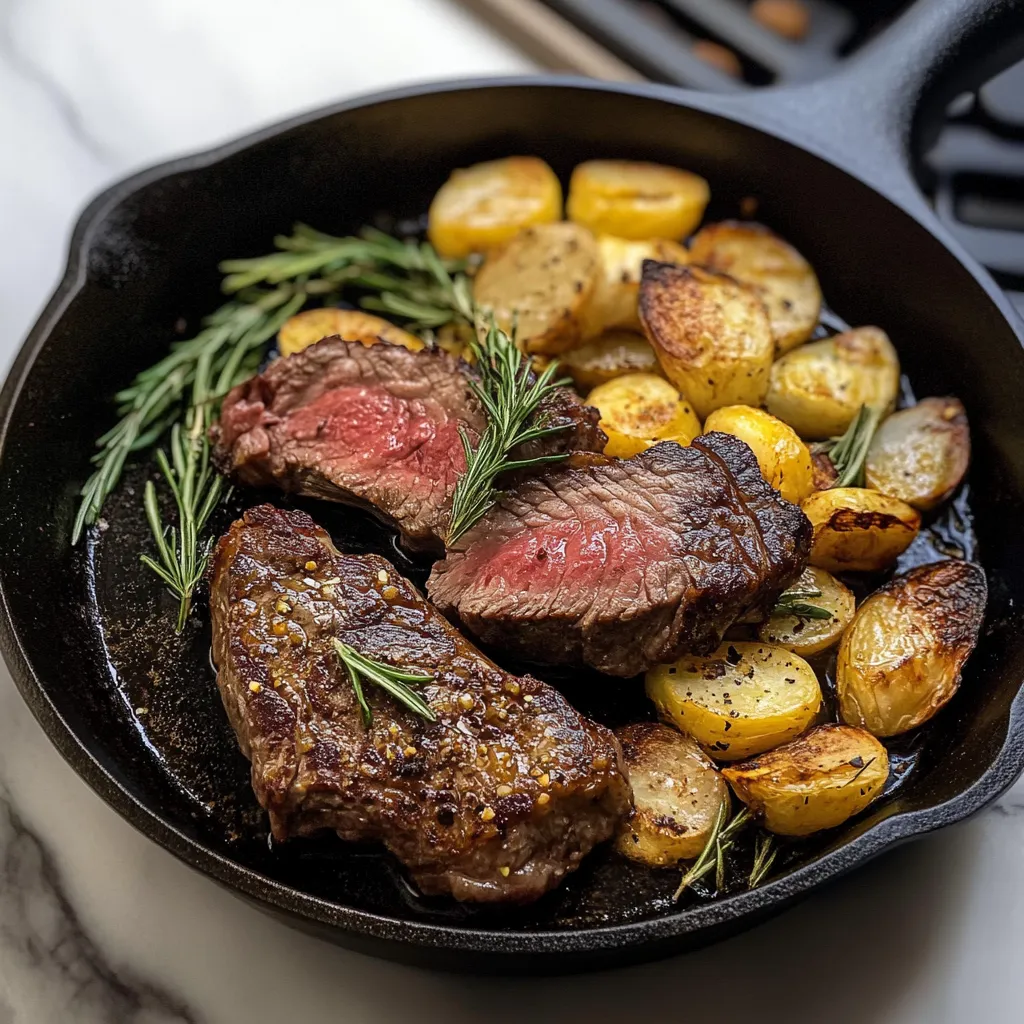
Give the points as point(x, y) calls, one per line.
point(97, 924)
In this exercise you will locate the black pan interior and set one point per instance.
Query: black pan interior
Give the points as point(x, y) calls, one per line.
point(96, 629)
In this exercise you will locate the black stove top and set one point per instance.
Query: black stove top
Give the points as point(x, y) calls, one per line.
point(975, 171)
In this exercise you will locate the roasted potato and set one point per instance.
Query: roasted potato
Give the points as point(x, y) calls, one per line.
point(711, 335)
point(639, 410)
point(920, 454)
point(613, 354)
point(614, 302)
point(313, 325)
point(859, 530)
point(488, 204)
point(783, 279)
point(804, 635)
point(677, 794)
point(900, 660)
point(743, 699)
point(813, 783)
point(636, 200)
point(543, 281)
point(784, 459)
point(818, 388)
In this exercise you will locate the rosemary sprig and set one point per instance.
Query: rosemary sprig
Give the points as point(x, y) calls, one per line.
point(153, 400)
point(719, 843)
point(765, 852)
point(511, 394)
point(849, 451)
point(793, 602)
point(390, 679)
point(197, 489)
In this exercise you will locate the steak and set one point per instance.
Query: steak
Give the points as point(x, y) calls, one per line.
point(373, 426)
point(496, 800)
point(625, 564)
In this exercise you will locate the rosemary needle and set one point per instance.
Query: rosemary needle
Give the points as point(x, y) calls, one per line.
point(719, 842)
point(849, 452)
point(793, 602)
point(765, 852)
point(390, 679)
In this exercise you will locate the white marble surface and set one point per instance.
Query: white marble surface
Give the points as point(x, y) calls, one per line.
point(99, 925)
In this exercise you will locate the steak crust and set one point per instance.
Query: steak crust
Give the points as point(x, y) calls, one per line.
point(624, 564)
point(496, 800)
point(375, 426)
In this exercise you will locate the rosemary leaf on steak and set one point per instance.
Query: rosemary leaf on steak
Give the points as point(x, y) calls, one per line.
point(392, 680)
point(511, 394)
point(849, 452)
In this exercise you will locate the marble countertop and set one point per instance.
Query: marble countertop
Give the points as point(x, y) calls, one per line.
point(100, 926)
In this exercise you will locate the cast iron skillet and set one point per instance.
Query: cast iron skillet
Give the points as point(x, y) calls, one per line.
point(87, 633)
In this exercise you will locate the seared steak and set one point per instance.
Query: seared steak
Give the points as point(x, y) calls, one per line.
point(496, 800)
point(373, 426)
point(628, 563)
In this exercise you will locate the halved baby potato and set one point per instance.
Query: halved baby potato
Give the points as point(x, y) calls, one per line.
point(818, 388)
point(632, 199)
point(783, 279)
point(784, 459)
point(802, 634)
point(711, 335)
point(900, 660)
point(612, 354)
point(614, 302)
point(486, 205)
point(813, 783)
point(313, 325)
point(920, 454)
point(743, 699)
point(678, 795)
point(640, 409)
point(541, 281)
point(859, 530)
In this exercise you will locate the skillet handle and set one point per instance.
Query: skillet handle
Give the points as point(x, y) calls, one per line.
point(887, 102)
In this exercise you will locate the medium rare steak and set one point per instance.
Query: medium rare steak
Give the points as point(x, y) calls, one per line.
point(374, 426)
point(625, 564)
point(496, 800)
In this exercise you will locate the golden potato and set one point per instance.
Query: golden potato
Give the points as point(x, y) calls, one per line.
point(818, 388)
point(859, 530)
point(612, 354)
point(803, 634)
point(543, 281)
point(614, 302)
point(784, 459)
point(678, 795)
point(744, 698)
point(313, 325)
point(488, 204)
point(900, 660)
point(813, 783)
point(711, 335)
point(640, 409)
point(780, 276)
point(636, 200)
point(920, 454)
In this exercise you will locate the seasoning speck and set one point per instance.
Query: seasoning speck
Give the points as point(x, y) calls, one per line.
point(410, 751)
point(504, 790)
point(255, 687)
point(544, 780)
point(283, 606)
point(279, 628)
point(487, 814)
point(382, 575)
point(543, 799)
point(503, 871)
point(310, 566)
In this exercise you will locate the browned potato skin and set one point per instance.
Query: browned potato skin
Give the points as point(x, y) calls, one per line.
point(613, 354)
point(543, 281)
point(921, 454)
point(857, 529)
point(678, 794)
point(711, 334)
point(900, 660)
point(813, 783)
point(772, 268)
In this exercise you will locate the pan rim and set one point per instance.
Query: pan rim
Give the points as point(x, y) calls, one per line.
point(505, 946)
